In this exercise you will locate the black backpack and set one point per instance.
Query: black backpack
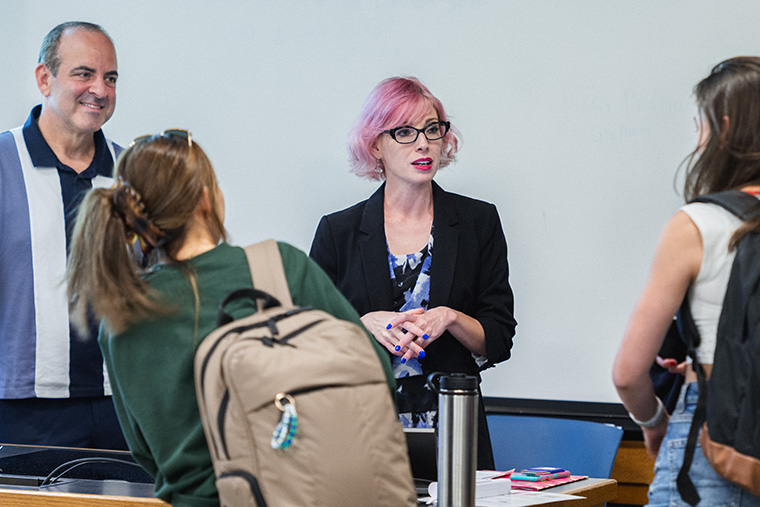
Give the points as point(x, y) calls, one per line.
point(728, 408)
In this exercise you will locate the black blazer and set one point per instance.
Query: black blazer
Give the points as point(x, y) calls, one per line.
point(469, 271)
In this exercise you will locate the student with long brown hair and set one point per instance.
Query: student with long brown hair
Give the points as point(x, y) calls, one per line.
point(694, 257)
point(167, 199)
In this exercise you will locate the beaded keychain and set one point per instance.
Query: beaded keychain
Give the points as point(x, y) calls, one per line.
point(283, 434)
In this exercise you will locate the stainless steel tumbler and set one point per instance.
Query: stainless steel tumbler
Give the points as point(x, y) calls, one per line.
point(457, 438)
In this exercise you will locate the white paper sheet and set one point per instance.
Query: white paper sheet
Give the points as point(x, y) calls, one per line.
point(515, 499)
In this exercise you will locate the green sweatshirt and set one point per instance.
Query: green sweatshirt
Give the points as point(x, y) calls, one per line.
point(150, 365)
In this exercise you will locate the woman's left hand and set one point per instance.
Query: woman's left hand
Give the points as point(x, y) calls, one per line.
point(653, 437)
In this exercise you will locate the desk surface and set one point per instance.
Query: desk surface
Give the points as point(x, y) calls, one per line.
point(95, 488)
point(108, 484)
point(595, 492)
point(95, 464)
point(87, 493)
point(82, 493)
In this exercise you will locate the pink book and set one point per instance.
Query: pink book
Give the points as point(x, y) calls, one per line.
point(539, 485)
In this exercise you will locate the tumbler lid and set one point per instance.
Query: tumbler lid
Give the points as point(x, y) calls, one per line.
point(459, 381)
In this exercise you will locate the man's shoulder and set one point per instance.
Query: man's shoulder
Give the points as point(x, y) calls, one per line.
point(7, 141)
point(8, 149)
point(110, 143)
point(101, 137)
point(115, 149)
point(106, 154)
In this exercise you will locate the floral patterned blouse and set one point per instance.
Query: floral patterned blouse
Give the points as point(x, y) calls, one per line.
point(410, 276)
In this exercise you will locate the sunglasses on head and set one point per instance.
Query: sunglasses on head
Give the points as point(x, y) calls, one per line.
point(184, 134)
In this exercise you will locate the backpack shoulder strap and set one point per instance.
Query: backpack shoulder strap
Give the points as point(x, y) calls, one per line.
point(743, 205)
point(746, 207)
point(267, 270)
point(690, 335)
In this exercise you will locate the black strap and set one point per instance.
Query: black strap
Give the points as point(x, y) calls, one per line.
point(690, 334)
point(743, 205)
point(223, 317)
point(685, 486)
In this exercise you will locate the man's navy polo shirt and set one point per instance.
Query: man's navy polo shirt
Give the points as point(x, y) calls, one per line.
point(28, 366)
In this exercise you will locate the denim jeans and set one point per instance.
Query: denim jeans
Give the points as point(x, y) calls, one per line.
point(714, 490)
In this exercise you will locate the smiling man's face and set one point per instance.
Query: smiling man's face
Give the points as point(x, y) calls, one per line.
point(82, 95)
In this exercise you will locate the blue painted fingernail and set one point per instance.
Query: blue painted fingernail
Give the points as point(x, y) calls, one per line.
point(421, 354)
point(425, 336)
point(388, 326)
point(403, 360)
point(398, 347)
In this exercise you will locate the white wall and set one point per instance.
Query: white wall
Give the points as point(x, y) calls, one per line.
point(575, 116)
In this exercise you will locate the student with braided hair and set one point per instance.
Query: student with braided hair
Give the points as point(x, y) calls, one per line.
point(156, 310)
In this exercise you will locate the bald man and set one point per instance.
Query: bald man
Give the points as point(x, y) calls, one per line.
point(53, 386)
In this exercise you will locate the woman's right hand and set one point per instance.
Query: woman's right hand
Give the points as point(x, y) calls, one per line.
point(378, 323)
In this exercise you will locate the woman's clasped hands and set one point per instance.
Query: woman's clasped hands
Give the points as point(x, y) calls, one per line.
point(406, 334)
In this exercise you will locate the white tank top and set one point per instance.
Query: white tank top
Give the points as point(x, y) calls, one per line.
point(716, 226)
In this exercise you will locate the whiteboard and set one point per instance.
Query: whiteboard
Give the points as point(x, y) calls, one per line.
point(575, 116)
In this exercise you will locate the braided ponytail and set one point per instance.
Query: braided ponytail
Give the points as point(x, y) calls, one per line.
point(102, 272)
point(159, 183)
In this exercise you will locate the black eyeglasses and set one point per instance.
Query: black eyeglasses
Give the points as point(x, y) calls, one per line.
point(185, 134)
point(408, 134)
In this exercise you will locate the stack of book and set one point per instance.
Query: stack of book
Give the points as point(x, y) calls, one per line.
point(493, 483)
point(536, 479)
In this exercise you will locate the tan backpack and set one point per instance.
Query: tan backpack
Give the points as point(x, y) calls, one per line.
point(295, 405)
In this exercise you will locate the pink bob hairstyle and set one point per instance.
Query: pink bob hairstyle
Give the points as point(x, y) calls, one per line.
point(394, 102)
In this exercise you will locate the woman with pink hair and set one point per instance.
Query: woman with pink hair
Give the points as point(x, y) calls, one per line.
point(426, 269)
